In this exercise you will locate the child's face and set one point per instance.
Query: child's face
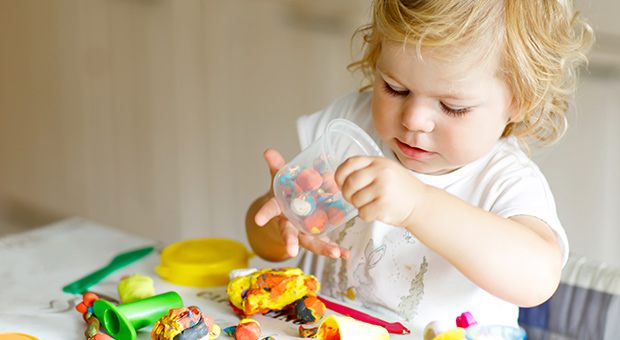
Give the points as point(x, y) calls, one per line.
point(437, 116)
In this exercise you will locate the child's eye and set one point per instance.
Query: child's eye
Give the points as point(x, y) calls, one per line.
point(393, 92)
point(454, 111)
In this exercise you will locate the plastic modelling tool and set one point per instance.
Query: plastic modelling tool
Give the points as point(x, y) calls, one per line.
point(81, 286)
point(391, 327)
point(122, 321)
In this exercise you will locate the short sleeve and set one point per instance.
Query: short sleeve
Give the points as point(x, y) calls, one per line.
point(521, 189)
point(354, 107)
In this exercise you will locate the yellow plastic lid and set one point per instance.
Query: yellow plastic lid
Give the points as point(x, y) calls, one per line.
point(202, 262)
point(16, 336)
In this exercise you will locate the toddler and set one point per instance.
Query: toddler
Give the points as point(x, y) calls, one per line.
point(456, 217)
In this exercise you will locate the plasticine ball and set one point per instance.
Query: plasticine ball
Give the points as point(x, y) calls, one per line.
point(309, 309)
point(321, 164)
point(289, 188)
point(230, 331)
point(309, 180)
point(303, 204)
point(136, 287)
point(329, 183)
point(248, 329)
point(336, 212)
point(289, 173)
point(308, 332)
point(316, 222)
point(323, 198)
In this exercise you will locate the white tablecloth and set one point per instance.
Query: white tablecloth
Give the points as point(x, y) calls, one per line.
point(35, 265)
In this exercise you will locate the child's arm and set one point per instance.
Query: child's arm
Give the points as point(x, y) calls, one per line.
point(517, 259)
point(272, 236)
point(267, 241)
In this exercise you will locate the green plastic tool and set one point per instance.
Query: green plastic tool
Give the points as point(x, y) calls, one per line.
point(122, 321)
point(81, 286)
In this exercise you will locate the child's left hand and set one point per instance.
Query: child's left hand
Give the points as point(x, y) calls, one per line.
point(380, 189)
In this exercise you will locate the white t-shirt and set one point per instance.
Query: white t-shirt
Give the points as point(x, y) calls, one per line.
point(390, 271)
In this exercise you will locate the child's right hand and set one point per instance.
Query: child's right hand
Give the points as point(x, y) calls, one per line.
point(270, 216)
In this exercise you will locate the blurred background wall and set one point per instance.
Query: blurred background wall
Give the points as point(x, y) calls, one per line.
point(152, 115)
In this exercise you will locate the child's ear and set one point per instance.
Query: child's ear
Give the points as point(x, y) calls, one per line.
point(516, 115)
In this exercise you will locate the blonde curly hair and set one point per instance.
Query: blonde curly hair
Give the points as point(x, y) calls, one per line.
point(541, 44)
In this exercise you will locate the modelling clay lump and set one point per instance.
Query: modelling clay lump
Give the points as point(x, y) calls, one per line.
point(468, 327)
point(308, 332)
point(230, 331)
point(92, 329)
point(186, 323)
point(303, 204)
point(309, 180)
point(453, 334)
point(87, 302)
point(136, 287)
point(309, 309)
point(316, 222)
point(269, 290)
point(329, 183)
point(85, 307)
point(310, 194)
point(346, 328)
point(442, 330)
point(247, 329)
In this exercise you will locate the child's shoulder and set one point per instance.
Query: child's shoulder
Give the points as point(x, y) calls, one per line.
point(509, 160)
point(512, 152)
point(355, 106)
point(351, 106)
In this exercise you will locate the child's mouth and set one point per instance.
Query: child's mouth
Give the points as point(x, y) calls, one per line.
point(413, 152)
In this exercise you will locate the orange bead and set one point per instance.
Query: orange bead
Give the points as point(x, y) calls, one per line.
point(329, 183)
point(89, 298)
point(248, 331)
point(81, 307)
point(316, 222)
point(309, 180)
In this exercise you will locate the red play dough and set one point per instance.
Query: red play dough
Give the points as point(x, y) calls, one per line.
point(309, 180)
point(316, 222)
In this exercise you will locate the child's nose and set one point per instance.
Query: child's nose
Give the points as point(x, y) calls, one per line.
point(418, 116)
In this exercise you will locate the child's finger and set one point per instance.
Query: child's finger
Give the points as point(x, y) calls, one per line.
point(351, 179)
point(361, 195)
point(274, 160)
point(290, 235)
point(268, 211)
point(350, 166)
point(321, 246)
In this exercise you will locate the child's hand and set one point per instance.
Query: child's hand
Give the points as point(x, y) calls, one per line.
point(291, 237)
point(380, 189)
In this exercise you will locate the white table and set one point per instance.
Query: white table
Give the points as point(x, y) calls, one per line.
point(35, 265)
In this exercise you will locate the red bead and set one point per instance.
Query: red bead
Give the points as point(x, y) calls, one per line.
point(316, 222)
point(309, 180)
point(329, 183)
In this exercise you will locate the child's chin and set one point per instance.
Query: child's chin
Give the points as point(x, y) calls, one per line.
point(425, 168)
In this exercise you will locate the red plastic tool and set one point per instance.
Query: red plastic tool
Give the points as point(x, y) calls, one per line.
point(392, 327)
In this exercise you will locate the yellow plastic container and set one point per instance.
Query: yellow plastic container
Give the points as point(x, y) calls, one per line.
point(202, 262)
point(16, 336)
